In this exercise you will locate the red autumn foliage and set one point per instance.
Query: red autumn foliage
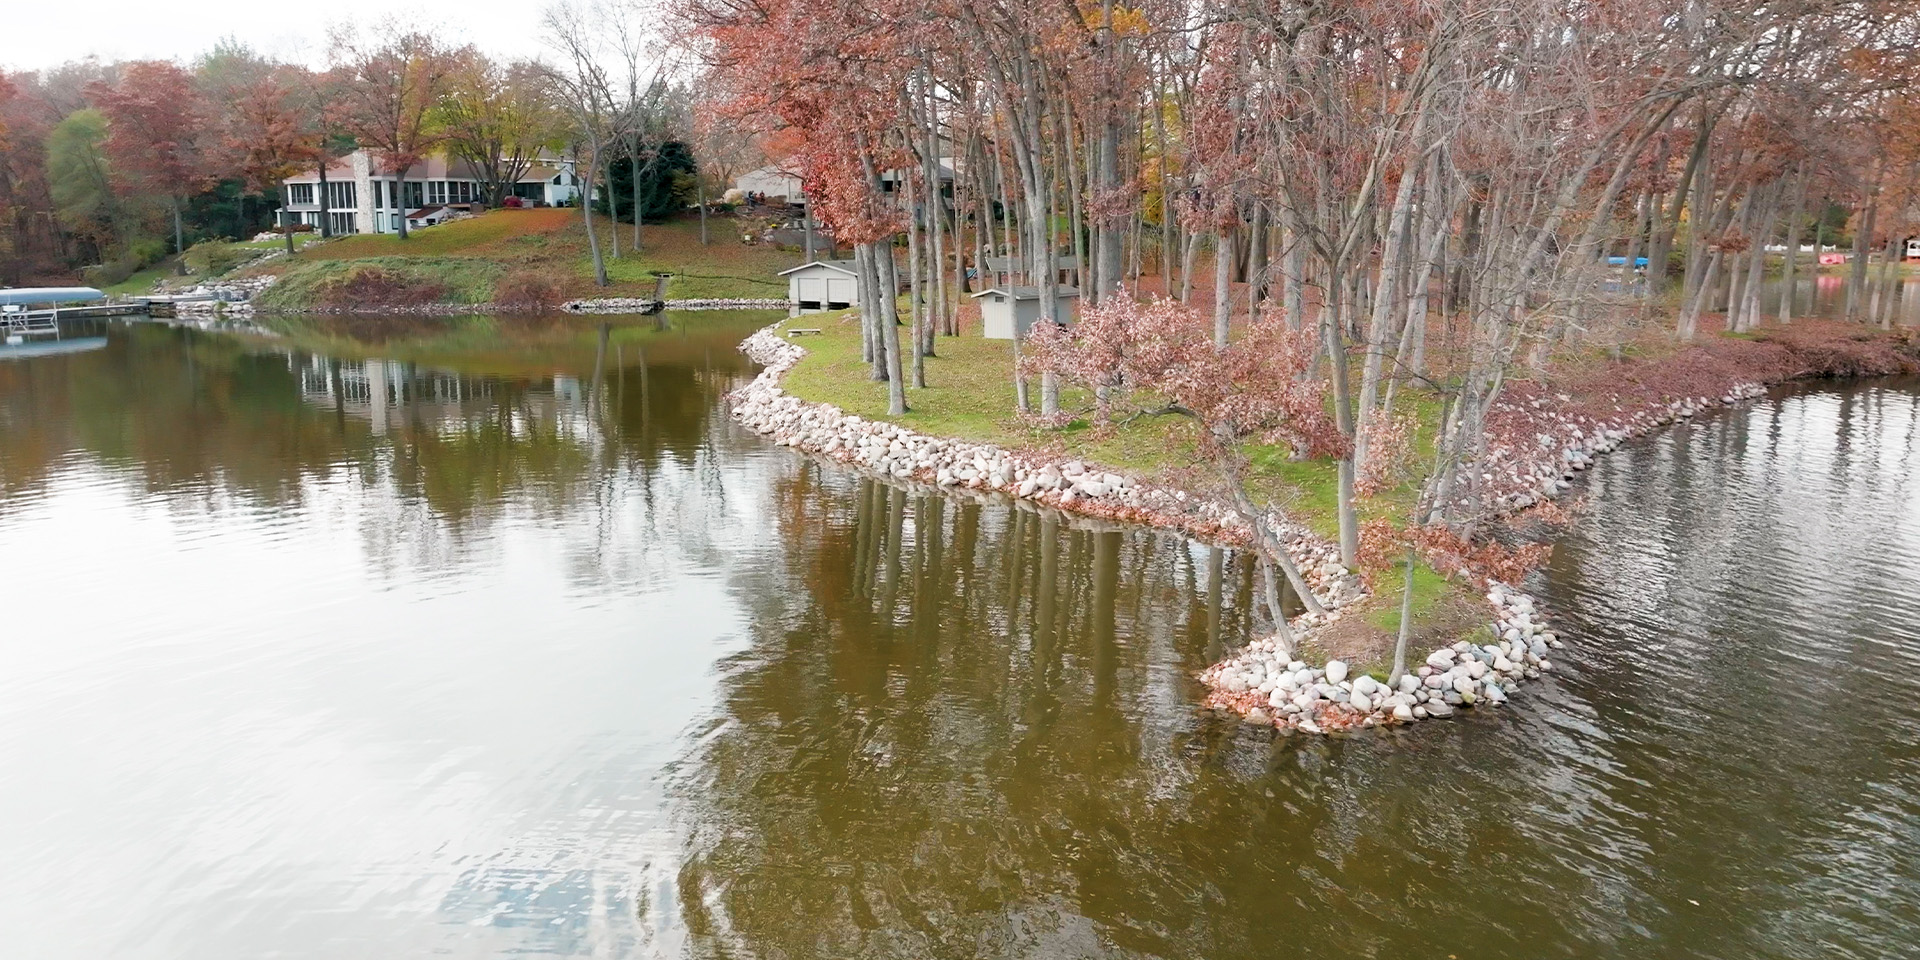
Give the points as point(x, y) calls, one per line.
point(528, 292)
point(375, 287)
point(153, 124)
point(1158, 358)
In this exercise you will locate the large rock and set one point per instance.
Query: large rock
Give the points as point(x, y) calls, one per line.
point(1336, 671)
point(1439, 708)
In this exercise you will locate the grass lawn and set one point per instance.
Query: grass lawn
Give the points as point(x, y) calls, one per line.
point(551, 244)
point(141, 281)
point(970, 395)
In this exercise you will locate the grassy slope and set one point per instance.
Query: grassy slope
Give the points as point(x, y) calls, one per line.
point(552, 244)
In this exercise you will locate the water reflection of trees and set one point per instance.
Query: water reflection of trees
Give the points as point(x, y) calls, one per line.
point(976, 737)
point(202, 422)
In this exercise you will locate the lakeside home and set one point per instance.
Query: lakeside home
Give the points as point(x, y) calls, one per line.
point(359, 198)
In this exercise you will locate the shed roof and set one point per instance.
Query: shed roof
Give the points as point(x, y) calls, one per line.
point(842, 266)
point(1027, 293)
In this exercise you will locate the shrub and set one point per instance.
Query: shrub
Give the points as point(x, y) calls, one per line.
point(378, 287)
point(211, 258)
point(527, 291)
point(111, 273)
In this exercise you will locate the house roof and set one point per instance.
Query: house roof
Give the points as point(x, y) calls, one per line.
point(1027, 293)
point(842, 266)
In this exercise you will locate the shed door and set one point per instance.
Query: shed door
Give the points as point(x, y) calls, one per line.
point(840, 289)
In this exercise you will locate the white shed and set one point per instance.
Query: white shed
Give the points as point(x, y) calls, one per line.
point(774, 181)
point(823, 285)
point(1002, 308)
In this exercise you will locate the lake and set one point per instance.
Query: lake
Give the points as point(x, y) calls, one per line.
point(498, 638)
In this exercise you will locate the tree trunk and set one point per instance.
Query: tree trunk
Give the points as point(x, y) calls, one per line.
point(1256, 261)
point(890, 330)
point(1186, 266)
point(1883, 295)
point(700, 196)
point(917, 298)
point(1330, 330)
point(1793, 246)
point(633, 168)
point(326, 222)
point(613, 213)
point(1222, 286)
point(1406, 623)
point(179, 238)
point(869, 301)
point(399, 187)
point(1666, 232)
point(1756, 268)
point(1862, 245)
point(586, 213)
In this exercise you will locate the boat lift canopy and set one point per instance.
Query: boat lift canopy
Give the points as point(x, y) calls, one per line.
point(26, 296)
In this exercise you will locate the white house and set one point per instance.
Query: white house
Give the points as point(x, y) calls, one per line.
point(360, 198)
point(823, 285)
point(1003, 310)
point(775, 181)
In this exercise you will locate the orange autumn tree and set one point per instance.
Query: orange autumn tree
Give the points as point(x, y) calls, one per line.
point(153, 145)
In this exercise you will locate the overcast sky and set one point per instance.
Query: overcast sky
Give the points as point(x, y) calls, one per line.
point(41, 34)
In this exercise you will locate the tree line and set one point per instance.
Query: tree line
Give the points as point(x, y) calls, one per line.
point(1356, 175)
point(122, 164)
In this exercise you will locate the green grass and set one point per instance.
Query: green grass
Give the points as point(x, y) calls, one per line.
point(722, 267)
point(483, 236)
point(971, 396)
point(141, 281)
point(1429, 588)
point(552, 244)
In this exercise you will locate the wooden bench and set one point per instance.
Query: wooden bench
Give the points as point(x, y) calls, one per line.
point(802, 331)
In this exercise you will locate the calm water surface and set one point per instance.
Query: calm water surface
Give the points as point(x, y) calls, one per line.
point(369, 644)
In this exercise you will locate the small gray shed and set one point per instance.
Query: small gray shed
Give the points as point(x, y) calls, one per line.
point(1002, 308)
point(823, 285)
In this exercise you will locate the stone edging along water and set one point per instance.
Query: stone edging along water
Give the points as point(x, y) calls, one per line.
point(1253, 683)
point(643, 304)
point(235, 302)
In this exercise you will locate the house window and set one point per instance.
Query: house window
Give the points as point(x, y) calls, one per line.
point(300, 193)
point(342, 223)
point(341, 195)
point(436, 191)
point(465, 191)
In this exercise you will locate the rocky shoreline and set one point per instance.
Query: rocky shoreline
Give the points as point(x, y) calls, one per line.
point(1534, 449)
point(1316, 699)
point(644, 304)
point(240, 306)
